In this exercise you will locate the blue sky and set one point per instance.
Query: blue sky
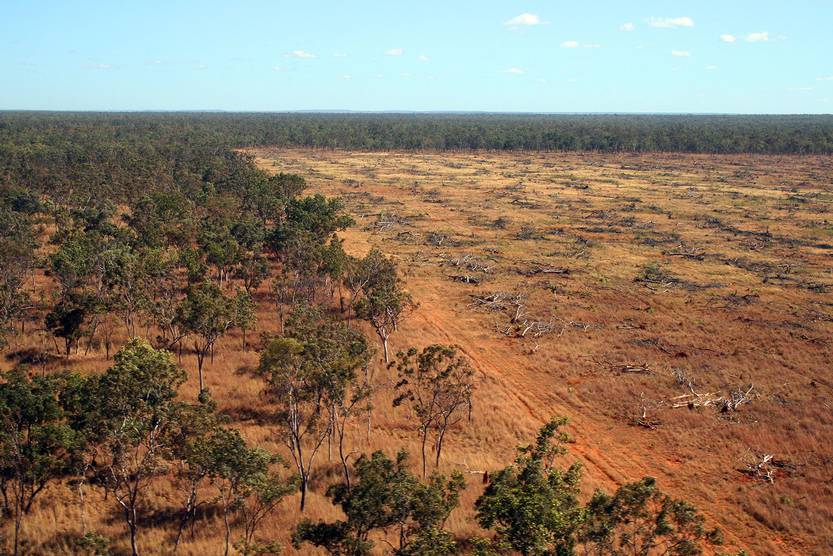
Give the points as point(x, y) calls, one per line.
point(737, 56)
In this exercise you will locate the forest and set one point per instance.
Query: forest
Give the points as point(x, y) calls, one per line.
point(148, 236)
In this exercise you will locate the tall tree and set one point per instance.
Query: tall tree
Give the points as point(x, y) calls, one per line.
point(207, 314)
point(437, 385)
point(532, 504)
point(133, 411)
point(307, 374)
point(37, 443)
point(387, 496)
point(640, 519)
point(383, 307)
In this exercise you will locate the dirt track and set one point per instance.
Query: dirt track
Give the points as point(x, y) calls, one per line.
point(526, 383)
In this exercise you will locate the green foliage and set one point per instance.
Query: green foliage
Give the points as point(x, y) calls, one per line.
point(436, 384)
point(311, 220)
point(532, 505)
point(93, 544)
point(67, 319)
point(242, 478)
point(385, 496)
point(534, 509)
point(37, 442)
point(639, 518)
point(38, 445)
point(17, 255)
point(308, 372)
point(384, 302)
point(162, 218)
point(207, 314)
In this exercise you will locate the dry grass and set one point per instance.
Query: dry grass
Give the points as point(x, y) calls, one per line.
point(708, 271)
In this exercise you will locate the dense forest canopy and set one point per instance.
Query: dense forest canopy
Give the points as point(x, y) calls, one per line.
point(122, 152)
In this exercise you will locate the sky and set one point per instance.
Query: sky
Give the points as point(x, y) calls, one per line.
point(690, 56)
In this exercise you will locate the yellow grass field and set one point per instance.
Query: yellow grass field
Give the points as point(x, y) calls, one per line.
point(677, 308)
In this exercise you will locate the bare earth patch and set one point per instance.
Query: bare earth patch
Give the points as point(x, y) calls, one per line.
point(679, 309)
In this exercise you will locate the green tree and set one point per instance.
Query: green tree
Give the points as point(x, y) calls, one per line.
point(206, 314)
point(639, 519)
point(243, 477)
point(66, 320)
point(17, 259)
point(386, 496)
point(531, 504)
point(534, 508)
point(383, 306)
point(133, 411)
point(308, 373)
point(245, 313)
point(37, 443)
point(437, 385)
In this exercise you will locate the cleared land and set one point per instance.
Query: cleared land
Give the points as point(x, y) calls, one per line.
point(679, 308)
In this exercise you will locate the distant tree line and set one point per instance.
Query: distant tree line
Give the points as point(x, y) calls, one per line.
point(155, 240)
point(125, 153)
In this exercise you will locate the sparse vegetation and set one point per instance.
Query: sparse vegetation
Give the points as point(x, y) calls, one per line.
point(188, 354)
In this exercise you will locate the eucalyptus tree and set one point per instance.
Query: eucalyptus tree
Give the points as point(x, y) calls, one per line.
point(206, 314)
point(133, 412)
point(17, 259)
point(38, 445)
point(533, 505)
point(308, 373)
point(534, 508)
point(245, 480)
point(437, 385)
point(387, 497)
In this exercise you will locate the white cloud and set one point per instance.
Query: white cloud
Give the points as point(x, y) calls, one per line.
point(576, 44)
point(278, 68)
point(681, 53)
point(339, 55)
point(627, 27)
point(670, 22)
point(825, 78)
point(726, 37)
point(100, 66)
point(394, 52)
point(711, 67)
point(757, 37)
point(525, 19)
point(515, 71)
point(346, 77)
point(423, 58)
point(301, 54)
point(800, 89)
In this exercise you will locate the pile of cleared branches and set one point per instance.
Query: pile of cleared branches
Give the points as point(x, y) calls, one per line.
point(726, 404)
point(765, 467)
point(468, 262)
point(498, 301)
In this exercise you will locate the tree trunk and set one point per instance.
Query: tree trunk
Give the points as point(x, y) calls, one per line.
point(228, 529)
point(385, 345)
point(18, 519)
point(186, 516)
point(424, 465)
point(200, 359)
point(342, 456)
point(440, 437)
point(303, 487)
point(131, 523)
